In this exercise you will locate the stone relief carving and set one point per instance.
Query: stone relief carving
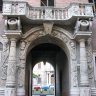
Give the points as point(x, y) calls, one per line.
point(72, 47)
point(12, 24)
point(22, 61)
point(7, 8)
point(14, 8)
point(90, 63)
point(4, 62)
point(74, 63)
point(48, 27)
point(85, 92)
point(75, 10)
point(88, 10)
point(83, 25)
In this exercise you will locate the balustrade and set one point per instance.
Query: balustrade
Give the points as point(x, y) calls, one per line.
point(47, 13)
point(51, 13)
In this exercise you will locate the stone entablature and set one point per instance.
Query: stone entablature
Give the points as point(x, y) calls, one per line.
point(47, 13)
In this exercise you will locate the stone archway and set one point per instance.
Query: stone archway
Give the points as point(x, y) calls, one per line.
point(58, 36)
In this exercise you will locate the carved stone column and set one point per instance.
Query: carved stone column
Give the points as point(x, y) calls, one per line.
point(11, 70)
point(84, 80)
point(83, 65)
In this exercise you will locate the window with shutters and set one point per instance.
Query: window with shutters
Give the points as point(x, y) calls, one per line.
point(47, 2)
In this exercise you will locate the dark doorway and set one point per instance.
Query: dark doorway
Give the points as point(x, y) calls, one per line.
point(53, 54)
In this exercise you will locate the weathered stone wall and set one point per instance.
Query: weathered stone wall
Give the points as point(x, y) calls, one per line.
point(94, 34)
point(1, 24)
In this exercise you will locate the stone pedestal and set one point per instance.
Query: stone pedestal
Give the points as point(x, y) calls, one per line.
point(10, 91)
point(11, 70)
point(74, 91)
point(85, 91)
point(20, 92)
point(84, 81)
point(93, 91)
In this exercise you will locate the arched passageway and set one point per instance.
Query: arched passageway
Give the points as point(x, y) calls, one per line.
point(52, 53)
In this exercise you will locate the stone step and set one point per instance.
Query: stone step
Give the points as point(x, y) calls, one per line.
point(2, 92)
point(93, 91)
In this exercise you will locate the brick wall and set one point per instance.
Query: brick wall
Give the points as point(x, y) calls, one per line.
point(34, 3)
point(63, 3)
point(58, 3)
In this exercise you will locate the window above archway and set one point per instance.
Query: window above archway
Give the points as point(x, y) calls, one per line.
point(47, 2)
point(1, 2)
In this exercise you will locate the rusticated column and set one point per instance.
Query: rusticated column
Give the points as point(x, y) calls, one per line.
point(11, 70)
point(83, 65)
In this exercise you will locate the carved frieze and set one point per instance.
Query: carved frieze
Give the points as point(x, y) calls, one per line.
point(21, 64)
point(14, 8)
point(3, 64)
point(72, 46)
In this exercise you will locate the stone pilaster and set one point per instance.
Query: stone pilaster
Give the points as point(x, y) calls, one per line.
point(84, 81)
point(21, 73)
point(11, 70)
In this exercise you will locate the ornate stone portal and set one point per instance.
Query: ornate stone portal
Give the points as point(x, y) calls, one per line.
point(17, 85)
point(81, 68)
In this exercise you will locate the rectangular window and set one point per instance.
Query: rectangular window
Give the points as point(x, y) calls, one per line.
point(1, 5)
point(51, 3)
point(43, 2)
point(47, 2)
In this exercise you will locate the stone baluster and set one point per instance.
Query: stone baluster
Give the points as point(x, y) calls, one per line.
point(42, 15)
point(54, 13)
point(11, 70)
point(83, 65)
